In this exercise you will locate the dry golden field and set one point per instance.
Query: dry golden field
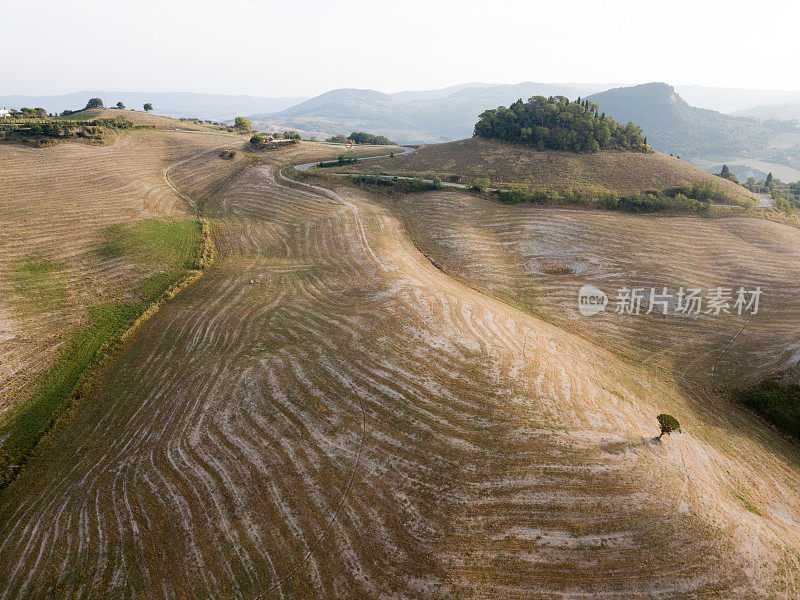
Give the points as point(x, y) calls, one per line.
point(509, 165)
point(330, 413)
point(58, 206)
point(509, 252)
point(139, 117)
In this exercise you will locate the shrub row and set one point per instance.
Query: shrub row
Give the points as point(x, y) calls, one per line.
point(399, 184)
point(644, 202)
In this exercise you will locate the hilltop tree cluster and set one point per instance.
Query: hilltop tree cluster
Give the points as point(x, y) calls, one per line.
point(726, 173)
point(556, 123)
point(29, 113)
point(360, 137)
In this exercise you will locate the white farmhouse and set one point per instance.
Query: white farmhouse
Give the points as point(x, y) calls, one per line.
point(4, 113)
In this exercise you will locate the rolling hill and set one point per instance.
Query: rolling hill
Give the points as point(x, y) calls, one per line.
point(673, 126)
point(358, 399)
point(510, 165)
point(408, 117)
point(216, 107)
point(92, 235)
point(784, 111)
point(142, 118)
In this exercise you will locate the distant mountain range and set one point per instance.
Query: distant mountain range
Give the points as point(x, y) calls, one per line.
point(408, 117)
point(216, 107)
point(733, 100)
point(673, 125)
point(787, 111)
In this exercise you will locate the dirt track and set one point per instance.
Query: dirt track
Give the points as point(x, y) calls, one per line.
point(325, 414)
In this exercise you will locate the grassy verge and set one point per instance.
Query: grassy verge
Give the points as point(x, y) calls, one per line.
point(177, 247)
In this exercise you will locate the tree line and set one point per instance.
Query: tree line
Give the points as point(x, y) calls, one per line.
point(557, 123)
point(360, 137)
point(785, 195)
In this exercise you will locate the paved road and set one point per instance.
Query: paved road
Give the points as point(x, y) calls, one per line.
point(405, 150)
point(766, 200)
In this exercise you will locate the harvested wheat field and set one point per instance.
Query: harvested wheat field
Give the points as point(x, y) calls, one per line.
point(509, 165)
point(88, 233)
point(142, 118)
point(538, 258)
point(325, 414)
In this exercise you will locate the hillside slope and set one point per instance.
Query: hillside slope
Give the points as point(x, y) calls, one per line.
point(217, 107)
point(60, 205)
point(409, 117)
point(510, 165)
point(786, 111)
point(673, 126)
point(327, 415)
point(537, 258)
point(141, 118)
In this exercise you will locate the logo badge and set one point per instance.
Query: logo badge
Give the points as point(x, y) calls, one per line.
point(591, 300)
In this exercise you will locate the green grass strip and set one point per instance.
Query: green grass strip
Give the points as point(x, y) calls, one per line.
point(176, 246)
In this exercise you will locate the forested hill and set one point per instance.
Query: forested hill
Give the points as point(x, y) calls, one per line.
point(672, 125)
point(556, 123)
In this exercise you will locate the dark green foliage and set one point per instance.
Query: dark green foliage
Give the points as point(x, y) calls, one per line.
point(779, 403)
point(673, 126)
point(518, 196)
point(94, 103)
point(727, 174)
point(347, 158)
point(481, 184)
point(405, 186)
point(120, 105)
point(668, 424)
point(359, 137)
point(337, 139)
point(785, 195)
point(147, 107)
point(646, 202)
point(291, 135)
point(703, 191)
point(257, 140)
point(33, 113)
point(558, 124)
point(42, 132)
point(242, 124)
point(115, 123)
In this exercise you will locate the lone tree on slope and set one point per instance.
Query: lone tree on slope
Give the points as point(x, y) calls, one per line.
point(148, 107)
point(120, 105)
point(668, 424)
point(242, 124)
point(94, 103)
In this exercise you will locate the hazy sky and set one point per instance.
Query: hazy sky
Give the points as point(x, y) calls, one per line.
point(288, 48)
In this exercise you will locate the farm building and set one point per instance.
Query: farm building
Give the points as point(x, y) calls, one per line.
point(4, 113)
